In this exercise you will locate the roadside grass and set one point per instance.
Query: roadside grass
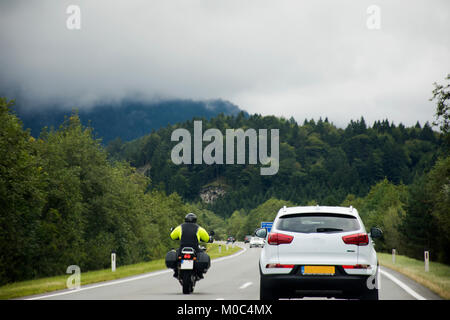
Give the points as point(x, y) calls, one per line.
point(437, 279)
point(43, 285)
point(213, 250)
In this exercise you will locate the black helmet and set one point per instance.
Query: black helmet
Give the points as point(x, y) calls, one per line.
point(190, 218)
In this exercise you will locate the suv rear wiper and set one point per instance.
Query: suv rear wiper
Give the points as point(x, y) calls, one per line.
point(328, 229)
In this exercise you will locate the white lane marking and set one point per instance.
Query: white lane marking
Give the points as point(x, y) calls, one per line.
point(402, 285)
point(245, 285)
point(220, 299)
point(109, 283)
point(113, 282)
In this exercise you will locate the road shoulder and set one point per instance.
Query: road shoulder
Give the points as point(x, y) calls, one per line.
point(415, 286)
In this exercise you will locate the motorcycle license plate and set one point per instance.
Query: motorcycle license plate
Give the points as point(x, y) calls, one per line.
point(187, 264)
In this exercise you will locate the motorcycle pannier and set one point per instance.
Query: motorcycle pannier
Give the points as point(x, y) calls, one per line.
point(171, 259)
point(204, 261)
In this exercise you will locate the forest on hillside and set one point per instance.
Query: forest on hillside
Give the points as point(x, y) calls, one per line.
point(318, 161)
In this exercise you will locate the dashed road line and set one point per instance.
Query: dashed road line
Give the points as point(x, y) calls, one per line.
point(245, 285)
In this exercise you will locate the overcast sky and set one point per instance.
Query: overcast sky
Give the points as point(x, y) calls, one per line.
point(292, 58)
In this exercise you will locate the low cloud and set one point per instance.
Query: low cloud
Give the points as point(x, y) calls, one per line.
point(271, 57)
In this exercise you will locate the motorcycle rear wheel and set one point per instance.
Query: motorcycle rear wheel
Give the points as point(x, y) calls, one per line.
point(188, 286)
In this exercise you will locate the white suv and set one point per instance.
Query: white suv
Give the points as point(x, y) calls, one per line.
point(318, 251)
point(256, 242)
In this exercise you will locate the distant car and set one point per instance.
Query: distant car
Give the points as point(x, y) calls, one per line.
point(231, 240)
point(318, 251)
point(247, 238)
point(256, 242)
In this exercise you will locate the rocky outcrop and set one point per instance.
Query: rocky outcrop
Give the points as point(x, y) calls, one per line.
point(210, 194)
point(144, 169)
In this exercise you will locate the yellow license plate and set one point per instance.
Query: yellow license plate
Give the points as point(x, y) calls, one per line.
point(322, 270)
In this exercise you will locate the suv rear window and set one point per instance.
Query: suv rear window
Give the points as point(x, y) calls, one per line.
point(317, 222)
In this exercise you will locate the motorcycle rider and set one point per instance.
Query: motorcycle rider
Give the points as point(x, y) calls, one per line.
point(190, 234)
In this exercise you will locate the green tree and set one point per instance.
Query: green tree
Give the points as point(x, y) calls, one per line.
point(418, 226)
point(441, 94)
point(382, 207)
point(21, 197)
point(439, 190)
point(235, 225)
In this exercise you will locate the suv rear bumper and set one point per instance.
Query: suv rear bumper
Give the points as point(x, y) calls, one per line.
point(295, 284)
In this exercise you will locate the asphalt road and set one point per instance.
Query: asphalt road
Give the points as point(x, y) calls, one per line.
point(230, 278)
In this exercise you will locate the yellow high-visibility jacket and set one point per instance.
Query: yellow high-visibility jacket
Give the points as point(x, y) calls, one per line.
point(201, 233)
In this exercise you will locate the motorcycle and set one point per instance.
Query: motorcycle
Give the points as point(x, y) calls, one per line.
point(189, 265)
point(187, 273)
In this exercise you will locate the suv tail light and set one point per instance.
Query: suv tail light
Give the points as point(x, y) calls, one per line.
point(277, 265)
point(357, 266)
point(279, 238)
point(360, 239)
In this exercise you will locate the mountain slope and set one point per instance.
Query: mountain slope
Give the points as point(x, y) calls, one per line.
point(317, 161)
point(129, 119)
